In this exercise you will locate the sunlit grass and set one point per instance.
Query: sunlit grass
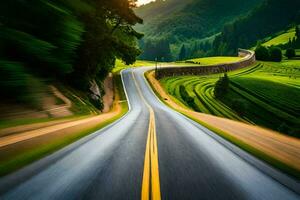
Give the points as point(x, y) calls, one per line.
point(270, 90)
point(281, 39)
point(215, 60)
point(120, 65)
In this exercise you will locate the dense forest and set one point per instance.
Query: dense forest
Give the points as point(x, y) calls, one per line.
point(270, 17)
point(73, 41)
point(193, 23)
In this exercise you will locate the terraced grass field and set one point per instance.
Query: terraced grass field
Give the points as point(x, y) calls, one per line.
point(269, 91)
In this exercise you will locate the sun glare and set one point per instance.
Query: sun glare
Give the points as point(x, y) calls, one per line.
point(141, 2)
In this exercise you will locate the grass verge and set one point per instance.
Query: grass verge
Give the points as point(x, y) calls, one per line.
point(290, 170)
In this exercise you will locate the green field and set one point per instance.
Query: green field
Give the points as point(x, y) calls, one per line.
point(121, 65)
point(269, 91)
point(282, 38)
point(215, 60)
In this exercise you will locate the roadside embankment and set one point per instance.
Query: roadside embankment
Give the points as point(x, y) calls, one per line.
point(21, 148)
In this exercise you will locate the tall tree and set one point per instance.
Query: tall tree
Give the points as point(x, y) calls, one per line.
point(182, 53)
point(109, 35)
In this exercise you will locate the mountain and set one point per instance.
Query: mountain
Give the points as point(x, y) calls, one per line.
point(188, 21)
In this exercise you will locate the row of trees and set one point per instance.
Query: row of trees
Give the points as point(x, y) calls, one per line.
point(268, 53)
point(75, 40)
point(198, 50)
point(156, 50)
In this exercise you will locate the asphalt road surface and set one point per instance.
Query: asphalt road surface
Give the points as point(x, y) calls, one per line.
point(153, 152)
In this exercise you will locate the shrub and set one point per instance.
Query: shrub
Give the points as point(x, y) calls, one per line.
point(290, 53)
point(262, 53)
point(275, 54)
point(221, 87)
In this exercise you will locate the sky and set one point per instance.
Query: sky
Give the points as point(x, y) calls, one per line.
point(140, 2)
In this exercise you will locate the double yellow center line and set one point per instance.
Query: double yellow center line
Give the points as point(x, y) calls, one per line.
point(151, 183)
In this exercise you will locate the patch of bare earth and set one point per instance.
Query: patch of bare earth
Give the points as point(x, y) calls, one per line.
point(281, 147)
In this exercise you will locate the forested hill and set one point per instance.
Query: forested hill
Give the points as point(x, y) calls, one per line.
point(180, 21)
point(270, 17)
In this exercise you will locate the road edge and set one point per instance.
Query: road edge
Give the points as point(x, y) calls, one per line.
point(278, 175)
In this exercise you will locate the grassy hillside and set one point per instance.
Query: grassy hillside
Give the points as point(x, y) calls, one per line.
point(269, 93)
point(282, 38)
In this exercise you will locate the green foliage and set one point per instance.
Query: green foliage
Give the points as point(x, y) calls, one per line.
point(18, 86)
point(268, 54)
point(262, 53)
point(189, 21)
point(159, 51)
point(297, 30)
point(269, 93)
point(275, 54)
point(182, 54)
point(221, 87)
point(290, 53)
point(75, 39)
point(246, 31)
point(41, 34)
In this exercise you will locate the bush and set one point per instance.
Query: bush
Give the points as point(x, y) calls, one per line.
point(275, 54)
point(240, 106)
point(221, 87)
point(262, 53)
point(290, 53)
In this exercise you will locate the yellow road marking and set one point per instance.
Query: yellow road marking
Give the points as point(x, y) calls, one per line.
point(151, 181)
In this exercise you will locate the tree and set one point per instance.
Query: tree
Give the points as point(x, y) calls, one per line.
point(297, 32)
point(182, 53)
point(78, 40)
point(275, 54)
point(222, 87)
point(262, 53)
point(109, 35)
point(290, 53)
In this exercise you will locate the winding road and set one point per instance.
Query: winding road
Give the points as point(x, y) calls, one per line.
point(154, 153)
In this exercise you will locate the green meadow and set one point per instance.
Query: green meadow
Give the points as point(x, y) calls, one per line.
point(269, 93)
point(215, 60)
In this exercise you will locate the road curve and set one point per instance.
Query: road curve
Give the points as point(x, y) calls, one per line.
point(152, 148)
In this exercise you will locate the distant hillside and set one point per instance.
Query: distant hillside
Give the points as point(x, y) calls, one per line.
point(180, 21)
point(281, 38)
point(270, 17)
